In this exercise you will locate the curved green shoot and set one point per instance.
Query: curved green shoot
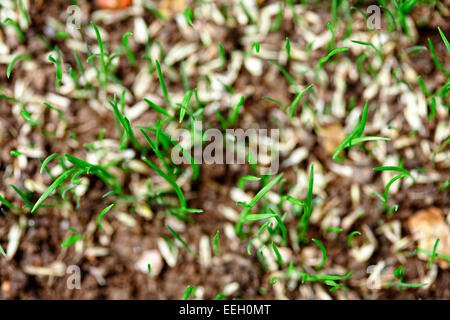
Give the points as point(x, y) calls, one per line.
point(324, 254)
point(20, 34)
point(52, 187)
point(433, 254)
point(130, 54)
point(162, 83)
point(278, 255)
point(48, 160)
point(277, 102)
point(329, 56)
point(177, 236)
point(303, 224)
point(102, 213)
point(216, 246)
point(241, 181)
point(288, 48)
point(189, 15)
point(259, 195)
point(71, 240)
point(447, 44)
point(13, 62)
point(285, 73)
point(351, 236)
point(222, 55)
point(294, 103)
point(436, 61)
point(187, 293)
point(170, 181)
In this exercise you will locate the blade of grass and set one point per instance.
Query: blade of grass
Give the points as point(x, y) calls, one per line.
point(433, 254)
point(253, 202)
point(177, 236)
point(102, 213)
point(216, 246)
point(438, 64)
point(278, 255)
point(71, 240)
point(304, 220)
point(294, 103)
point(351, 236)
point(13, 62)
point(169, 180)
point(324, 254)
point(241, 181)
point(188, 292)
point(130, 54)
point(163, 85)
point(52, 187)
point(444, 39)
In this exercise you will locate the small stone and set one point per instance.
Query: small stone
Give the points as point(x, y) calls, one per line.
point(331, 137)
point(428, 225)
point(6, 286)
point(152, 257)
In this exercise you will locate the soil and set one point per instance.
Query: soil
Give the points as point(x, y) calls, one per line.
point(43, 234)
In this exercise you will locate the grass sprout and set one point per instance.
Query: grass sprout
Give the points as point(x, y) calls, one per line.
point(351, 236)
point(189, 290)
point(216, 246)
point(71, 240)
point(403, 174)
point(170, 181)
point(447, 44)
point(329, 56)
point(294, 103)
point(278, 255)
point(222, 55)
point(277, 102)
point(129, 52)
point(436, 61)
point(13, 62)
point(103, 75)
point(247, 13)
point(101, 215)
point(433, 254)
point(241, 182)
point(285, 73)
point(64, 176)
point(356, 134)
point(324, 254)
point(2, 251)
point(162, 83)
point(288, 48)
point(8, 204)
point(430, 253)
point(177, 236)
point(189, 15)
point(243, 216)
point(24, 12)
point(278, 20)
point(303, 224)
point(20, 34)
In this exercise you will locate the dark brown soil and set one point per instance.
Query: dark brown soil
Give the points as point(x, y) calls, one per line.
point(40, 243)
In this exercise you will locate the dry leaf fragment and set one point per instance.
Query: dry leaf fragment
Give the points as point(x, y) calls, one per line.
point(428, 225)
